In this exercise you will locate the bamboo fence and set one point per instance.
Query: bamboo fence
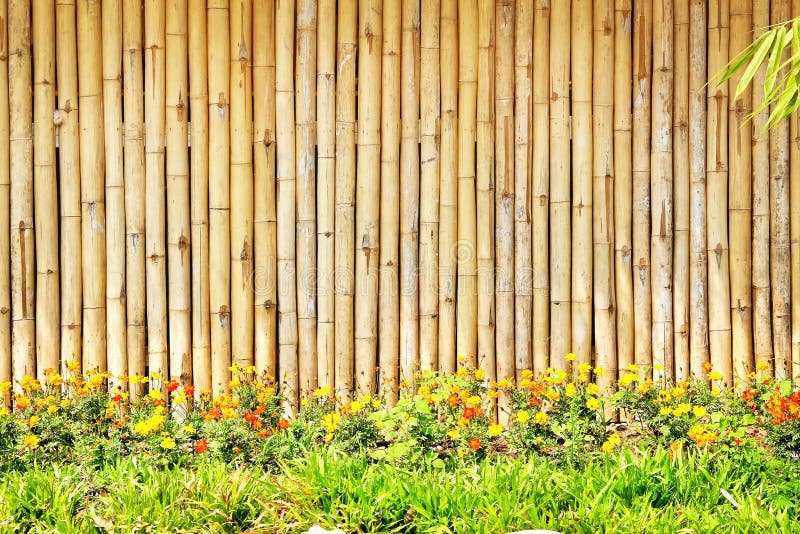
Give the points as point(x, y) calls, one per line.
point(344, 193)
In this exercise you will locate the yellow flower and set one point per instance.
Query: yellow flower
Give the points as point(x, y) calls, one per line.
point(541, 418)
point(699, 411)
point(664, 396)
point(592, 389)
point(473, 401)
point(235, 383)
point(304, 403)
point(5, 387)
point(570, 356)
point(569, 391)
point(324, 391)
point(678, 392)
point(492, 394)
point(762, 366)
point(614, 439)
point(553, 395)
point(599, 371)
point(33, 420)
point(527, 374)
point(376, 403)
point(506, 383)
point(4, 411)
point(715, 375)
point(31, 441)
point(715, 391)
point(330, 421)
point(480, 374)
point(682, 409)
point(453, 434)
point(155, 375)
point(592, 403)
point(633, 368)
point(462, 372)
point(65, 403)
point(355, 406)
point(167, 443)
point(628, 379)
point(189, 429)
point(424, 390)
point(658, 367)
point(495, 430)
point(328, 437)
point(155, 394)
point(523, 416)
point(584, 368)
point(666, 410)
point(606, 447)
point(73, 366)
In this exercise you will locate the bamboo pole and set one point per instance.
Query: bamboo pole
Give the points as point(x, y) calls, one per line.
point(448, 196)
point(326, 189)
point(388, 293)
point(680, 147)
point(45, 187)
point(114, 189)
point(93, 220)
point(134, 170)
point(642, 57)
point(623, 184)
point(198, 171)
point(560, 314)
point(504, 194)
point(661, 184)
point(740, 137)
point(5, 190)
point(698, 260)
point(344, 285)
point(370, 41)
point(794, 223)
point(264, 216)
point(540, 210)
point(717, 194)
point(429, 187)
point(285, 199)
point(582, 212)
point(523, 298)
point(219, 193)
point(603, 192)
point(23, 283)
point(409, 189)
point(305, 169)
point(177, 178)
point(762, 323)
point(241, 176)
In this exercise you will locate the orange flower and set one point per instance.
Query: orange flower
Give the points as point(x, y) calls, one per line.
point(201, 446)
point(469, 413)
point(172, 385)
point(283, 424)
point(453, 400)
point(189, 390)
point(707, 366)
point(474, 444)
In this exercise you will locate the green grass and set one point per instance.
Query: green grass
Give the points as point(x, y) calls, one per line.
point(627, 492)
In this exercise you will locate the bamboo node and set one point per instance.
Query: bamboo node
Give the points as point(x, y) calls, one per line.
point(4, 310)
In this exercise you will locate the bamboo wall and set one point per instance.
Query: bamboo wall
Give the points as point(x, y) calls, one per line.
point(342, 192)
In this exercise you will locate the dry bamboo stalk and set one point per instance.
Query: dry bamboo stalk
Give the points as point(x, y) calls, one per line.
point(504, 194)
point(540, 210)
point(370, 41)
point(326, 189)
point(198, 171)
point(467, 294)
point(177, 180)
point(133, 89)
point(219, 192)
point(560, 314)
point(698, 259)
point(93, 220)
point(344, 286)
point(5, 186)
point(680, 147)
point(523, 286)
point(661, 179)
point(264, 217)
point(117, 347)
point(305, 121)
point(717, 193)
point(740, 137)
point(429, 187)
point(448, 196)
point(623, 183)
point(603, 192)
point(484, 185)
point(45, 187)
point(409, 189)
point(241, 162)
point(285, 199)
point(642, 57)
point(23, 283)
point(794, 223)
point(388, 293)
point(762, 322)
point(581, 229)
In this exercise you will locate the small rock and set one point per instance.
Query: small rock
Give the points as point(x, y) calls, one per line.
point(316, 529)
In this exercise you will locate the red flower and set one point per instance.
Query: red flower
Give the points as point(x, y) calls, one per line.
point(283, 424)
point(474, 444)
point(263, 433)
point(172, 385)
point(469, 413)
point(116, 398)
point(189, 390)
point(201, 446)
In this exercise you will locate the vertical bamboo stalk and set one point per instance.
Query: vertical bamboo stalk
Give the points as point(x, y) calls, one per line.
point(603, 192)
point(388, 294)
point(177, 176)
point(581, 229)
point(739, 189)
point(241, 80)
point(370, 41)
point(305, 119)
point(219, 192)
point(680, 165)
point(326, 189)
point(345, 194)
point(717, 194)
point(45, 188)
point(93, 219)
point(115, 189)
point(698, 259)
point(134, 170)
point(661, 179)
point(762, 323)
point(560, 314)
point(429, 187)
point(642, 57)
point(523, 76)
point(448, 195)
point(5, 190)
point(623, 185)
point(198, 171)
point(409, 189)
point(264, 216)
point(794, 223)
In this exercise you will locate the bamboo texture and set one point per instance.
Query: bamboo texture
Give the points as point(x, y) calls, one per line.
point(5, 190)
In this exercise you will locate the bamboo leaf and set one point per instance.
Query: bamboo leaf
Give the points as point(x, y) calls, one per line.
point(759, 54)
point(774, 60)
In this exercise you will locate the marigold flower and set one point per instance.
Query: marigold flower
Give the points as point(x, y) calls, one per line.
point(606, 447)
point(541, 418)
point(523, 416)
point(4, 411)
point(614, 439)
point(678, 392)
point(201, 446)
point(592, 389)
point(762, 365)
point(474, 444)
point(283, 424)
point(633, 368)
point(699, 411)
point(65, 403)
point(172, 385)
point(376, 403)
point(495, 430)
point(715, 392)
point(5, 387)
point(628, 379)
point(33, 421)
point(682, 409)
point(22, 402)
point(715, 375)
point(707, 367)
point(31, 441)
point(592, 403)
point(599, 371)
point(469, 413)
point(155, 394)
point(492, 394)
point(331, 421)
point(665, 410)
point(167, 443)
point(324, 391)
point(569, 391)
point(474, 401)
point(453, 434)
point(73, 366)
point(658, 367)
point(570, 356)
point(480, 374)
